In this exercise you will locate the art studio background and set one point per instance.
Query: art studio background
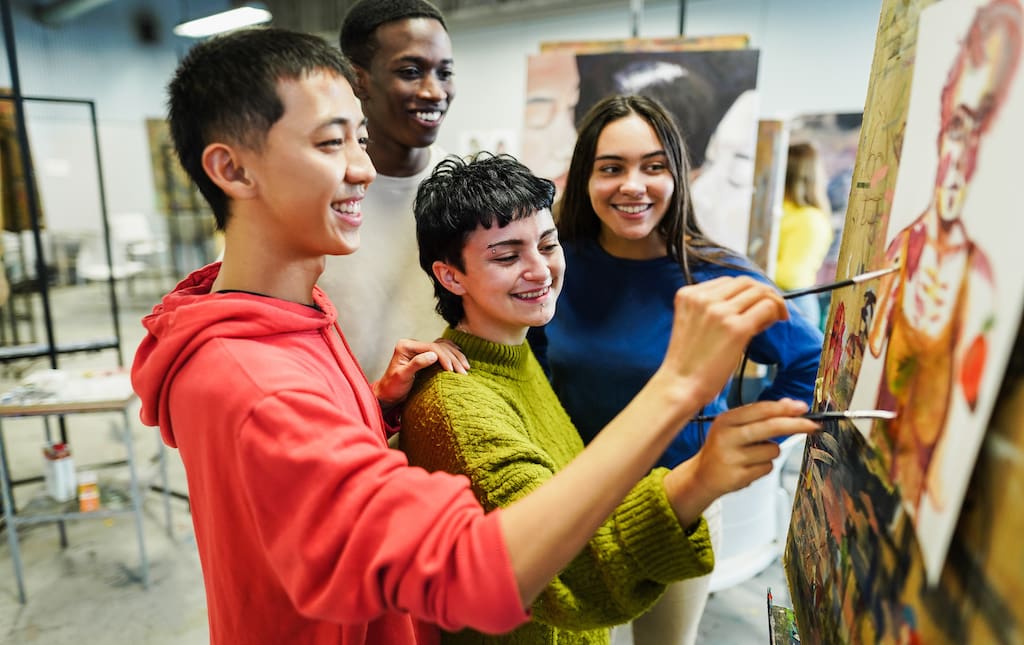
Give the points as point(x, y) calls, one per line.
point(801, 71)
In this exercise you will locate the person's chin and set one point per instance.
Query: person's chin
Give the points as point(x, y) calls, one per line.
point(349, 244)
point(425, 138)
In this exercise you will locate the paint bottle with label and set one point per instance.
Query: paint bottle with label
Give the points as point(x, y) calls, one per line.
point(59, 471)
point(88, 491)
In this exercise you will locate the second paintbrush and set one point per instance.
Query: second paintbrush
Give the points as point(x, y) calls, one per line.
point(885, 415)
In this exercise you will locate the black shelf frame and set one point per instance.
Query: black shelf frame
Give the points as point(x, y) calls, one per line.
point(50, 348)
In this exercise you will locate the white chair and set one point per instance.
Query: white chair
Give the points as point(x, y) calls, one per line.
point(755, 522)
point(134, 248)
point(134, 232)
point(91, 264)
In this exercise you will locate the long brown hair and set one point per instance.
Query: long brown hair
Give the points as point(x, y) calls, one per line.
point(805, 177)
point(574, 213)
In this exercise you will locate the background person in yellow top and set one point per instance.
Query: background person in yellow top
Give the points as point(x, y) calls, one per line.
point(404, 66)
point(805, 231)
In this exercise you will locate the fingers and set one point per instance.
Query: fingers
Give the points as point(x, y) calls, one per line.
point(762, 410)
point(757, 305)
point(450, 356)
point(765, 420)
point(739, 449)
point(442, 351)
point(424, 359)
point(751, 474)
point(714, 320)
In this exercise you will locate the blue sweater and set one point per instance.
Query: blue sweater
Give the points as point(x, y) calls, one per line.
point(611, 329)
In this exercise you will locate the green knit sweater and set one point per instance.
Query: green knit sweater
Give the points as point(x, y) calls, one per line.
point(503, 427)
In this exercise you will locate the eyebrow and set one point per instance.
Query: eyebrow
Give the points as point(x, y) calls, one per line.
point(419, 60)
point(657, 153)
point(342, 121)
point(520, 242)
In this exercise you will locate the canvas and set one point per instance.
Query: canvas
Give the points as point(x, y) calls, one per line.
point(175, 191)
point(668, 43)
point(853, 563)
point(14, 211)
point(944, 323)
point(769, 186)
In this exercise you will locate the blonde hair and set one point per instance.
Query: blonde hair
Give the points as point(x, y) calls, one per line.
point(805, 177)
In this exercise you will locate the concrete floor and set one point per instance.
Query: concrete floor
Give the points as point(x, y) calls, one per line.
point(90, 591)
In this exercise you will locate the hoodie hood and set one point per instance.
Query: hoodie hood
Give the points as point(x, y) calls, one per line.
point(189, 316)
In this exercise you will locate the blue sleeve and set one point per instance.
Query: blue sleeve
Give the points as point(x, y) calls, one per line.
point(538, 340)
point(793, 346)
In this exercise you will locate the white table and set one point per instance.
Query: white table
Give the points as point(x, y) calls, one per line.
point(77, 393)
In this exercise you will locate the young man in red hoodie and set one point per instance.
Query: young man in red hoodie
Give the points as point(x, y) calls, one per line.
point(309, 528)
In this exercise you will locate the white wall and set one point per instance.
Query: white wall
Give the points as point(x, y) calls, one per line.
point(96, 56)
point(815, 54)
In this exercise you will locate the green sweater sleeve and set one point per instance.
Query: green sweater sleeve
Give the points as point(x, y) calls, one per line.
point(509, 438)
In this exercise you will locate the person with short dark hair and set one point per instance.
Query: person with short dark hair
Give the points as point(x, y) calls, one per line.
point(405, 81)
point(488, 241)
point(359, 39)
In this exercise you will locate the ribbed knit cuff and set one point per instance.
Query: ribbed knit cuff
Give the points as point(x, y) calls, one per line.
point(650, 532)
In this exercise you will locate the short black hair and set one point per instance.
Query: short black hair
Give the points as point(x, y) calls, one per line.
point(225, 89)
point(460, 196)
point(358, 36)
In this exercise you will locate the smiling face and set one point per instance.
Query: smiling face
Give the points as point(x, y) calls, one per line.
point(630, 188)
point(312, 170)
point(409, 86)
point(510, 278)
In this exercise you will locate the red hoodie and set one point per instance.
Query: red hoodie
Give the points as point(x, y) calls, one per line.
point(310, 529)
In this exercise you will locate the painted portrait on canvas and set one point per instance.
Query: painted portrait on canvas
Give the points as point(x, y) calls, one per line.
point(549, 123)
point(945, 321)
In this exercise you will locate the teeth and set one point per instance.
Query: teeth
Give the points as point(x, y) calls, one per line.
point(633, 210)
point(533, 294)
point(347, 207)
point(428, 116)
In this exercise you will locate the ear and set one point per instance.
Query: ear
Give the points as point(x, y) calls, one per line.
point(362, 81)
point(223, 166)
point(448, 276)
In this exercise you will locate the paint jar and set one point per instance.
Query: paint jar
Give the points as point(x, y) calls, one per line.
point(88, 491)
point(59, 471)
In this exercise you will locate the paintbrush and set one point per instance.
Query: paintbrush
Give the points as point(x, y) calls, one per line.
point(885, 415)
point(857, 279)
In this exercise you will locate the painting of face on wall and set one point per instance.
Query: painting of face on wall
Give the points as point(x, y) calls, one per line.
point(711, 94)
point(945, 321)
point(549, 123)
